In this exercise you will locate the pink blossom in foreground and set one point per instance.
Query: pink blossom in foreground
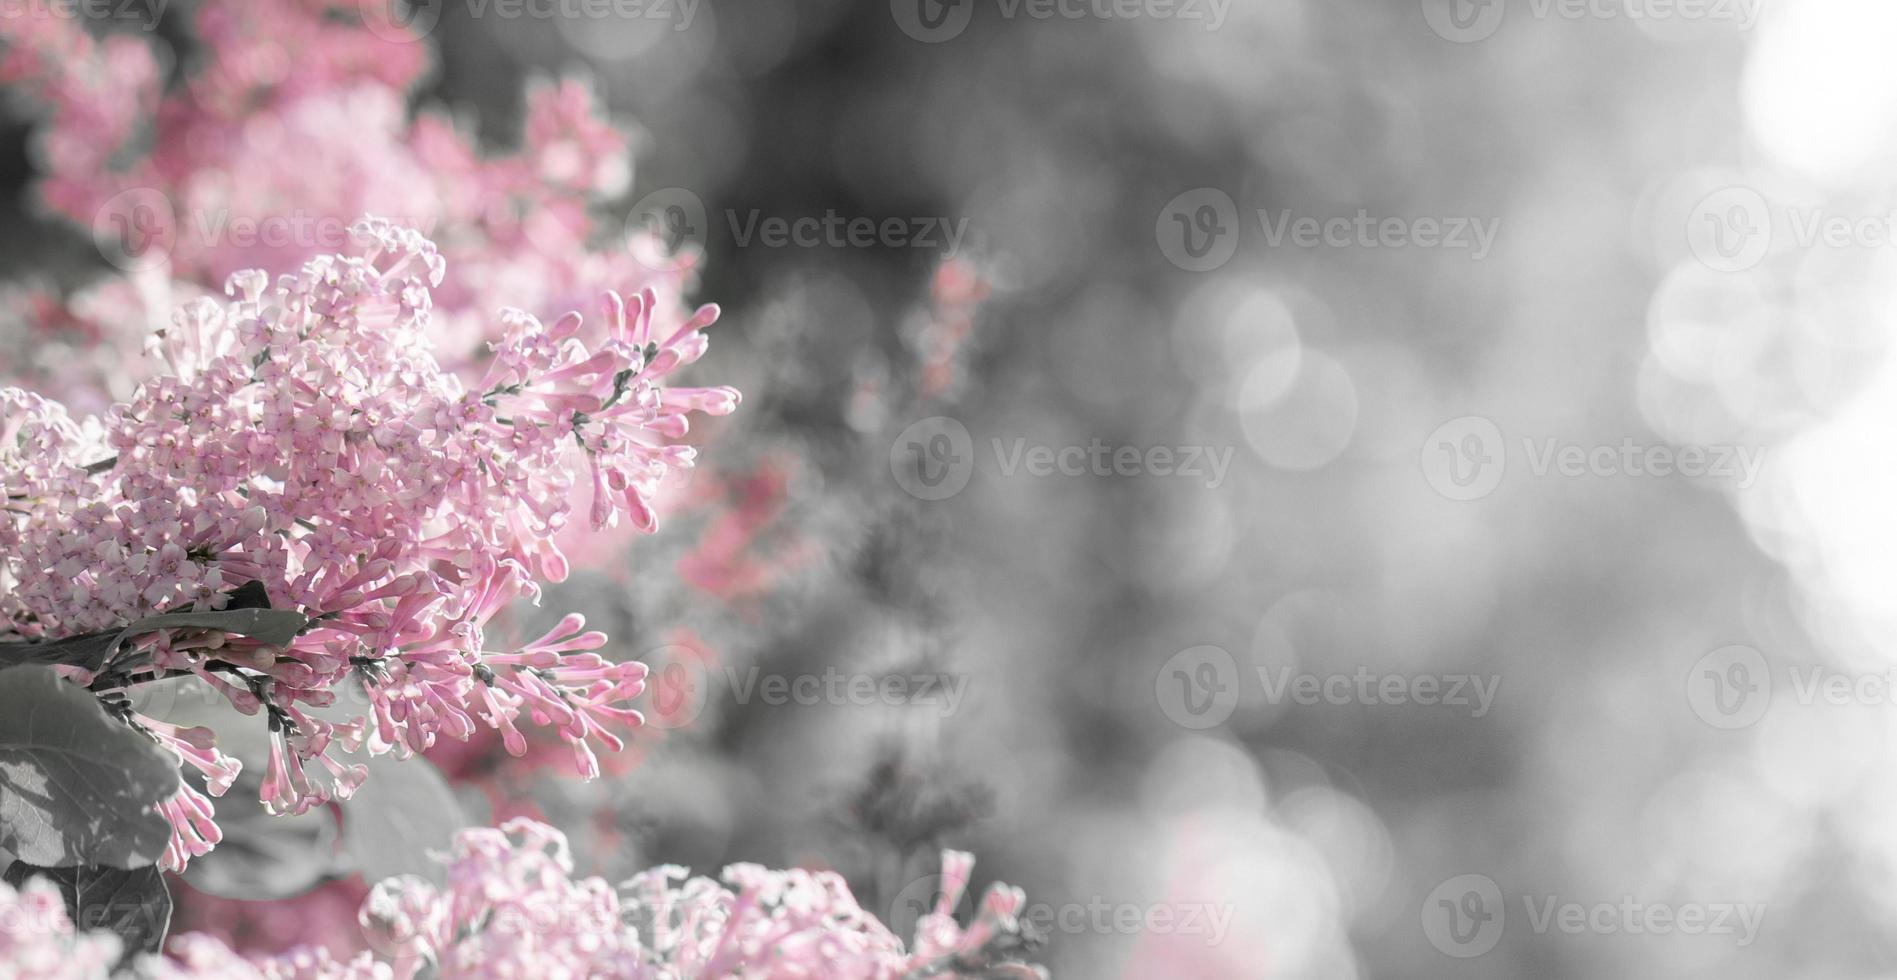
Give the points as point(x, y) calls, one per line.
point(37, 941)
point(511, 908)
point(305, 439)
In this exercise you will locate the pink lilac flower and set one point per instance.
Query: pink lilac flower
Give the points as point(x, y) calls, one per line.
point(510, 908)
point(956, 291)
point(37, 940)
point(325, 82)
point(303, 437)
point(199, 957)
point(745, 547)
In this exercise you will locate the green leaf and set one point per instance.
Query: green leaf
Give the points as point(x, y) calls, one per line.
point(134, 904)
point(404, 812)
point(76, 785)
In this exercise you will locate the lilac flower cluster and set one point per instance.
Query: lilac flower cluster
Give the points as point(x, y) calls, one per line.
point(511, 908)
point(190, 177)
point(304, 440)
point(37, 940)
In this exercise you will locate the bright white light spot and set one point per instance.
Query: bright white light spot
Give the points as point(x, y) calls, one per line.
point(1821, 87)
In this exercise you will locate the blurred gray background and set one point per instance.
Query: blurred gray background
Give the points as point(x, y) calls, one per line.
point(1545, 248)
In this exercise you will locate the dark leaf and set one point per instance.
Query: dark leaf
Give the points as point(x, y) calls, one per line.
point(249, 615)
point(89, 651)
point(277, 627)
point(76, 785)
point(134, 904)
point(250, 595)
